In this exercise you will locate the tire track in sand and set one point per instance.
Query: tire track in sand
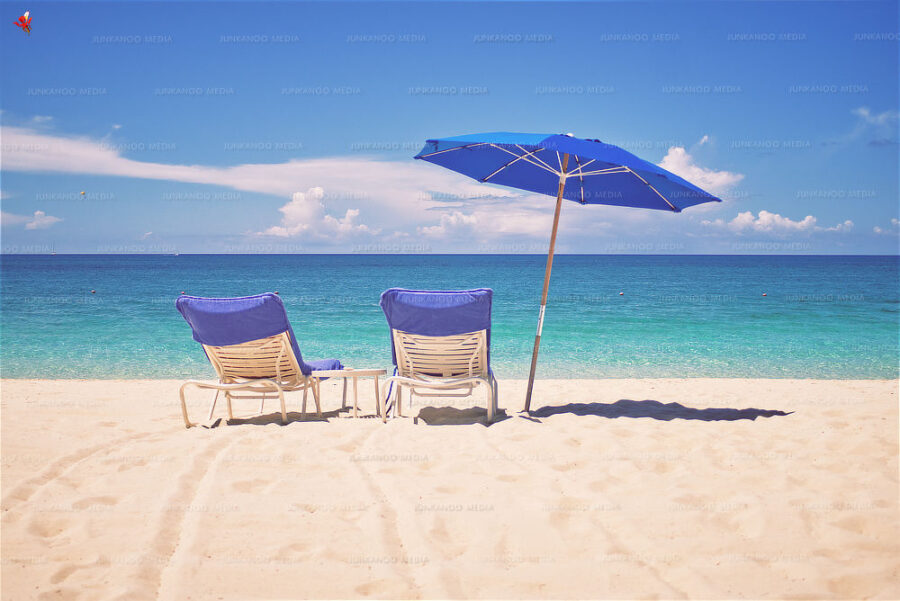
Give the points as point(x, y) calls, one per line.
point(390, 533)
point(23, 491)
point(158, 554)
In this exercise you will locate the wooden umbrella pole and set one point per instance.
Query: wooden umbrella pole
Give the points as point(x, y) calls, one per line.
point(537, 337)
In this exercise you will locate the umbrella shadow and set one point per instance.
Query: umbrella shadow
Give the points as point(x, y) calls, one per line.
point(657, 410)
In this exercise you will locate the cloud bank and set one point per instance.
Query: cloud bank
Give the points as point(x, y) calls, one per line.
point(39, 221)
point(767, 222)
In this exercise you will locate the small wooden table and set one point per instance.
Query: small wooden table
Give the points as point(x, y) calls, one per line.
point(355, 374)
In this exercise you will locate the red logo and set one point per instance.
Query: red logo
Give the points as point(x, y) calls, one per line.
point(24, 22)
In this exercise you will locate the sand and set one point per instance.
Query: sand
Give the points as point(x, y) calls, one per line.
point(610, 493)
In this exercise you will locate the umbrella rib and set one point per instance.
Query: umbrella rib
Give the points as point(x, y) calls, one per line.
point(528, 159)
point(580, 178)
point(580, 167)
point(431, 154)
point(518, 158)
point(611, 170)
point(652, 188)
point(537, 158)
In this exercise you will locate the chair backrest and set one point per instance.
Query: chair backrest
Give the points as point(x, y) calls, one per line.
point(270, 358)
point(439, 333)
point(245, 337)
point(460, 355)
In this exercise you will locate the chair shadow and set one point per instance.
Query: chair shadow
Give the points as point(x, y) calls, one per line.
point(656, 410)
point(275, 418)
point(451, 416)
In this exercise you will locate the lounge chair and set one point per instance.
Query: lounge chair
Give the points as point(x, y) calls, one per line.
point(439, 341)
point(252, 347)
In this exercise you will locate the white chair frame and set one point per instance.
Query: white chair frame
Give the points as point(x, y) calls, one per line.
point(457, 362)
point(262, 366)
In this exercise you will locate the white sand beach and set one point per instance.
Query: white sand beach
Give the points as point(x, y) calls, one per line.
point(106, 495)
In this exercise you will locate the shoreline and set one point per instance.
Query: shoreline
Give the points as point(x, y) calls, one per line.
point(609, 489)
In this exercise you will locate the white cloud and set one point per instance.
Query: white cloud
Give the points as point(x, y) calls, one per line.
point(892, 230)
point(400, 189)
point(846, 226)
point(877, 119)
point(680, 162)
point(878, 128)
point(450, 222)
point(11, 219)
point(306, 213)
point(117, 126)
point(41, 119)
point(39, 221)
point(146, 235)
point(773, 223)
point(529, 216)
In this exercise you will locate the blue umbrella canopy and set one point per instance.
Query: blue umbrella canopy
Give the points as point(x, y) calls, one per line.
point(597, 173)
point(582, 170)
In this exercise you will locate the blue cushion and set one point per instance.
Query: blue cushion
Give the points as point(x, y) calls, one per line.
point(228, 321)
point(323, 364)
point(438, 312)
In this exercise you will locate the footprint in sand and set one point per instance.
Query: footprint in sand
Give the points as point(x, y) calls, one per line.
point(60, 593)
point(94, 502)
point(565, 467)
point(376, 588)
point(47, 527)
point(295, 551)
point(69, 568)
point(445, 544)
point(249, 486)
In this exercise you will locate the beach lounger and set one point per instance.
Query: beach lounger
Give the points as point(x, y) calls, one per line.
point(440, 341)
point(252, 347)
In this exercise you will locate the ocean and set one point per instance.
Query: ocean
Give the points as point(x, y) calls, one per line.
point(678, 316)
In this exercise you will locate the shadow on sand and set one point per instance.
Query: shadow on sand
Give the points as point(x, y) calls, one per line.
point(656, 410)
point(275, 418)
point(450, 416)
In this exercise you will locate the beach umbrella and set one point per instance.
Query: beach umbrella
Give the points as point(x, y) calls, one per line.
point(581, 170)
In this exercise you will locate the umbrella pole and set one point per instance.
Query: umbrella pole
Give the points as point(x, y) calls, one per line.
point(537, 337)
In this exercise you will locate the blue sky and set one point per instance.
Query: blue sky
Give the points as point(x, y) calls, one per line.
point(290, 127)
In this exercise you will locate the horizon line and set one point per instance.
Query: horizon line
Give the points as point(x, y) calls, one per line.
point(394, 254)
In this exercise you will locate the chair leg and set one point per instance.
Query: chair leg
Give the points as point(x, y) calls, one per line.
point(344, 395)
point(213, 406)
point(490, 403)
point(399, 410)
point(496, 396)
point(303, 406)
point(230, 411)
point(262, 402)
point(316, 397)
point(355, 397)
point(283, 408)
point(377, 398)
point(184, 414)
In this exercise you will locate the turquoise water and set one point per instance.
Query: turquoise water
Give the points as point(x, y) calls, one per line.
point(680, 316)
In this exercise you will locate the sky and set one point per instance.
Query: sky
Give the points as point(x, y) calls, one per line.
point(290, 127)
